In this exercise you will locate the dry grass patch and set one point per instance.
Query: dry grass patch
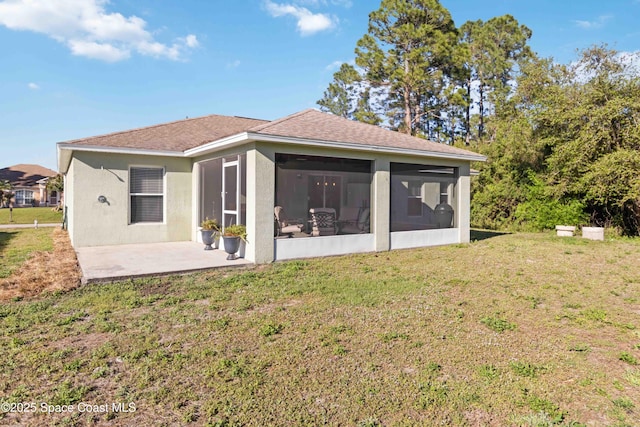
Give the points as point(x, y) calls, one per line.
point(43, 270)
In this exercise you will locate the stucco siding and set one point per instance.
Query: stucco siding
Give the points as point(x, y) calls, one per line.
point(92, 223)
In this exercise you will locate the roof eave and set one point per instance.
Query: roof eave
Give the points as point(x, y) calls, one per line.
point(218, 144)
point(253, 136)
point(65, 152)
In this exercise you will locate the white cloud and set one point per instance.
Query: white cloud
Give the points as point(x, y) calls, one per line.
point(335, 65)
point(233, 64)
point(316, 3)
point(89, 30)
point(33, 86)
point(191, 41)
point(308, 22)
point(592, 25)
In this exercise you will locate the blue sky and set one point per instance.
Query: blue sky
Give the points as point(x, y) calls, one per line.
point(76, 68)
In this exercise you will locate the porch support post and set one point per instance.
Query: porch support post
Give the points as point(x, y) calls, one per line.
point(381, 207)
point(196, 191)
point(261, 184)
point(464, 203)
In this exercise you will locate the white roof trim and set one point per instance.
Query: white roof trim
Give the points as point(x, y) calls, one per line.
point(218, 144)
point(245, 137)
point(65, 149)
point(360, 147)
point(119, 150)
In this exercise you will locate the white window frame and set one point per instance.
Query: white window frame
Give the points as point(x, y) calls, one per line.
point(164, 195)
point(23, 193)
point(412, 197)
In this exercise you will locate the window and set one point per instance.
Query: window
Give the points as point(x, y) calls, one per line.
point(414, 201)
point(423, 197)
point(146, 189)
point(24, 197)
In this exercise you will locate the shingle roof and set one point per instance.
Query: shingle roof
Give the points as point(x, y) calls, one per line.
point(309, 124)
point(315, 125)
point(174, 136)
point(25, 175)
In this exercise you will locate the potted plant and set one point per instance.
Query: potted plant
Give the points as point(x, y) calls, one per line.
point(209, 230)
point(232, 236)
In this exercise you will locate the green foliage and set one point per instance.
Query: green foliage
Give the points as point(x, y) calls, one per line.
point(525, 369)
point(236, 230)
point(497, 324)
point(270, 328)
point(541, 212)
point(576, 129)
point(629, 358)
point(56, 183)
point(210, 224)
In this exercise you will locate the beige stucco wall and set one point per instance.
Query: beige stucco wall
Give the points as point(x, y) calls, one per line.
point(92, 223)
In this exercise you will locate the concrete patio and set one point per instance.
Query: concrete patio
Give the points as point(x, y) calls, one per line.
point(119, 262)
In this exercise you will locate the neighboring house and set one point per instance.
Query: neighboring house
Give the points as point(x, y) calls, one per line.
point(156, 184)
point(29, 185)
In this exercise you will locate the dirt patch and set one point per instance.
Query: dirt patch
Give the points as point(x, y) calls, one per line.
point(86, 342)
point(48, 271)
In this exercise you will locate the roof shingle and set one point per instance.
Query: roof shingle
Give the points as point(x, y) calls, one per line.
point(315, 125)
point(24, 175)
point(174, 136)
point(310, 124)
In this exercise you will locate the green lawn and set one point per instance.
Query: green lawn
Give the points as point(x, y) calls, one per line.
point(28, 215)
point(520, 329)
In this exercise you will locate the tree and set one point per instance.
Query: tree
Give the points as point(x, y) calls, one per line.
point(493, 49)
point(566, 141)
point(5, 192)
point(406, 52)
point(342, 95)
point(594, 139)
point(349, 96)
point(56, 184)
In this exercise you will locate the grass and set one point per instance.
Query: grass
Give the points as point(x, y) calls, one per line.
point(17, 245)
point(509, 330)
point(44, 215)
point(36, 260)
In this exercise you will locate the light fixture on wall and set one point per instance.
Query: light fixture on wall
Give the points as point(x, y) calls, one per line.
point(102, 199)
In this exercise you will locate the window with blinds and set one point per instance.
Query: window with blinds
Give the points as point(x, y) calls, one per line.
point(146, 190)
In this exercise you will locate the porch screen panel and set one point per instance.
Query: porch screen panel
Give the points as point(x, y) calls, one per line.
point(423, 197)
point(146, 187)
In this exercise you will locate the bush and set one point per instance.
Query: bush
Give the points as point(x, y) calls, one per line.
point(542, 212)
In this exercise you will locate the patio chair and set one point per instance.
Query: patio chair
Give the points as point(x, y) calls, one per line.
point(323, 222)
point(354, 220)
point(284, 226)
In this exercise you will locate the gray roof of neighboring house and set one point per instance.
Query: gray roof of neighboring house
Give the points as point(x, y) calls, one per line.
point(308, 125)
point(24, 175)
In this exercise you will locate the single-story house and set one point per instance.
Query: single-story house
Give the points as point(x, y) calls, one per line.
point(29, 185)
point(349, 186)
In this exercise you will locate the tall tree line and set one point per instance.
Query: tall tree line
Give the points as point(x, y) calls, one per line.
point(417, 73)
point(562, 141)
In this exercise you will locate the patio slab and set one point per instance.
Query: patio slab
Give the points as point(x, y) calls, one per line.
point(119, 262)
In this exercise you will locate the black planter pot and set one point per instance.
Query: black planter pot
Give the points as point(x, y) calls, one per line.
point(208, 237)
point(231, 246)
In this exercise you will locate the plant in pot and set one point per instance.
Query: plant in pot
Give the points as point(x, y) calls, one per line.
point(232, 236)
point(210, 229)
